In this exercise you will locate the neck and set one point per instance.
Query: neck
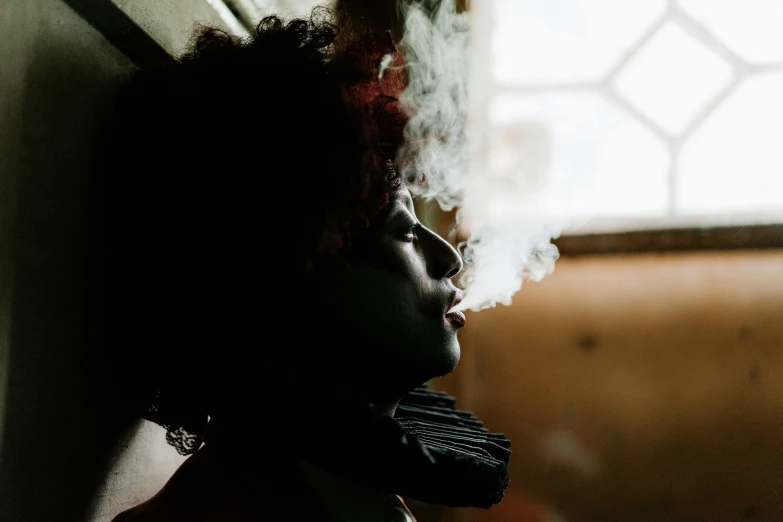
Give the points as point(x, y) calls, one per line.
point(347, 390)
point(388, 407)
point(385, 399)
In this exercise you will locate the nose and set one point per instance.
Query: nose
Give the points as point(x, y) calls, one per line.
point(443, 260)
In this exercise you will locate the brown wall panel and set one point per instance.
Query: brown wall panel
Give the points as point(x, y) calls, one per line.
point(639, 387)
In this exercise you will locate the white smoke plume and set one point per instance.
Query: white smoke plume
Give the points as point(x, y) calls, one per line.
point(510, 234)
point(435, 50)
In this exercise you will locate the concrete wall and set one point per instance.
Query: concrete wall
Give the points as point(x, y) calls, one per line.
point(56, 74)
point(63, 440)
point(635, 388)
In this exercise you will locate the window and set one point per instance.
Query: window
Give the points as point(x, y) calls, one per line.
point(633, 115)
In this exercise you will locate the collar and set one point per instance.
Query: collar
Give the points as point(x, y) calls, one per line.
point(430, 451)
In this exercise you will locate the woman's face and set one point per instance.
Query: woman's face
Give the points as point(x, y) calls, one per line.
point(390, 297)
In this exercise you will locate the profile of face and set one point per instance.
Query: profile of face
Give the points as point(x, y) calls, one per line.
point(389, 297)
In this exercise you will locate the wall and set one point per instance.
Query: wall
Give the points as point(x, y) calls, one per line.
point(61, 434)
point(56, 73)
point(635, 388)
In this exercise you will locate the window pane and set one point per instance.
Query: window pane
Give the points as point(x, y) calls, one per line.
point(672, 77)
point(734, 162)
point(538, 41)
point(751, 28)
point(588, 156)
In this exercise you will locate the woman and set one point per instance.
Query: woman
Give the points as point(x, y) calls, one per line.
point(292, 305)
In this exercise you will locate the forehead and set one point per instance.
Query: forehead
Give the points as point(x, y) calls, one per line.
point(401, 198)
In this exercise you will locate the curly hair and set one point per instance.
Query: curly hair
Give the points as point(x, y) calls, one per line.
point(235, 171)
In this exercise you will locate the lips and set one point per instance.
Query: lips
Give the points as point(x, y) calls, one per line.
point(457, 319)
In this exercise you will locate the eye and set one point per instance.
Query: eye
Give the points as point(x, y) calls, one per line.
point(409, 233)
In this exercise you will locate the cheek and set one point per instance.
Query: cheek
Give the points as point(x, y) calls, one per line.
point(386, 305)
point(421, 281)
point(410, 265)
point(391, 286)
point(408, 287)
point(405, 270)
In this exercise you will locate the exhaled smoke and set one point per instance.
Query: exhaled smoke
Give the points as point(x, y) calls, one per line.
point(510, 240)
point(434, 45)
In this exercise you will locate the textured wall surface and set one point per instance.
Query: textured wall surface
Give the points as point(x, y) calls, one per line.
point(636, 388)
point(56, 76)
point(67, 452)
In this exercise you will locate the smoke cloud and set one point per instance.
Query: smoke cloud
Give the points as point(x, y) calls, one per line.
point(508, 213)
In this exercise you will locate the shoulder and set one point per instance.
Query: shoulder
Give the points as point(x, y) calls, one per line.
point(196, 492)
point(174, 512)
point(204, 490)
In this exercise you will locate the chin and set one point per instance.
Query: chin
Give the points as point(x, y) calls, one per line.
point(446, 361)
point(409, 372)
point(453, 360)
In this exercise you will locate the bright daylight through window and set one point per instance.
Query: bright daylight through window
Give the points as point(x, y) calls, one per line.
point(632, 115)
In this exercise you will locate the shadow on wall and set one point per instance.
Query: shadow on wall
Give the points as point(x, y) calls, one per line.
point(61, 419)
